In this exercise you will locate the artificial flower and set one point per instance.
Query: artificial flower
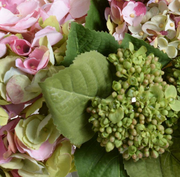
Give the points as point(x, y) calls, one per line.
point(38, 59)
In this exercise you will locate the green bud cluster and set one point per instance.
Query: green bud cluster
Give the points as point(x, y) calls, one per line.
point(138, 118)
point(172, 74)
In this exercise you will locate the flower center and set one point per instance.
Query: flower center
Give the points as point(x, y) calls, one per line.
point(132, 15)
point(171, 24)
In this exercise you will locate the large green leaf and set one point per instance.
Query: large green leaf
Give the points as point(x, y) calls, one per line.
point(91, 160)
point(68, 92)
point(163, 58)
point(95, 19)
point(81, 39)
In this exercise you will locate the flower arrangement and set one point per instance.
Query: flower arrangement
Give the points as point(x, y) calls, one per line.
point(89, 88)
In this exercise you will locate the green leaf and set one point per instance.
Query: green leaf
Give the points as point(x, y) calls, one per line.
point(82, 40)
point(68, 92)
point(91, 160)
point(163, 58)
point(95, 19)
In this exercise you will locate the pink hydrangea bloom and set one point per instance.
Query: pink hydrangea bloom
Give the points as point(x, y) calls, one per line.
point(133, 12)
point(16, 16)
point(70, 9)
point(116, 15)
point(37, 60)
point(19, 46)
point(43, 153)
point(7, 144)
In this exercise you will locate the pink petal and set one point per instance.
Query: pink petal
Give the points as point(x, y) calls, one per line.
point(14, 110)
point(9, 127)
point(3, 50)
point(24, 23)
point(9, 39)
point(31, 63)
point(2, 151)
point(116, 13)
point(8, 17)
point(27, 66)
point(51, 33)
point(38, 52)
point(12, 29)
point(140, 8)
point(79, 8)
point(24, 11)
point(15, 173)
point(10, 138)
point(54, 10)
point(44, 152)
point(21, 47)
point(44, 61)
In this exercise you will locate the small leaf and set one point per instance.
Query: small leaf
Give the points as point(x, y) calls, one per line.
point(175, 105)
point(170, 92)
point(82, 40)
point(68, 92)
point(91, 160)
point(157, 92)
point(141, 51)
point(116, 116)
point(131, 47)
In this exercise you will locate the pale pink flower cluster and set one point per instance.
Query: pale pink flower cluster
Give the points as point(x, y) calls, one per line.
point(124, 13)
point(156, 22)
point(30, 32)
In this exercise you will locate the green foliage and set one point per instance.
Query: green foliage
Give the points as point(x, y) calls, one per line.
point(167, 165)
point(93, 160)
point(82, 40)
point(68, 92)
point(95, 19)
point(163, 58)
point(138, 120)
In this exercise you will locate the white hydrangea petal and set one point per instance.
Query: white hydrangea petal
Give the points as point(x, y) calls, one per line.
point(162, 7)
point(150, 25)
point(174, 7)
point(162, 42)
point(170, 25)
point(171, 34)
point(154, 43)
point(135, 29)
point(174, 43)
point(171, 51)
point(154, 11)
point(160, 20)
